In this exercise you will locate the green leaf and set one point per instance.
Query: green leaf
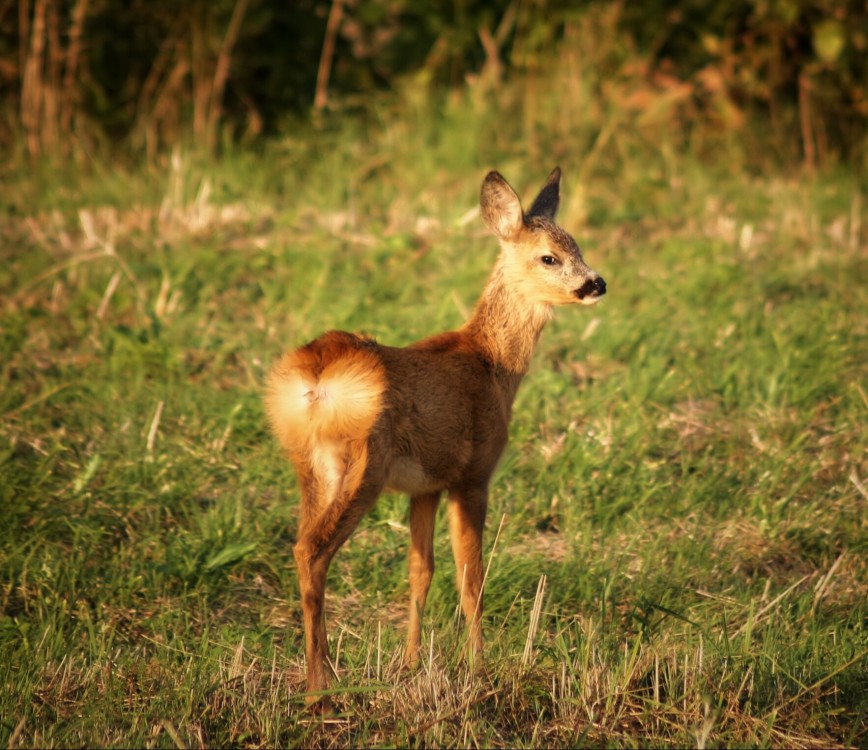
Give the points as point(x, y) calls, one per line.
point(229, 554)
point(829, 40)
point(83, 479)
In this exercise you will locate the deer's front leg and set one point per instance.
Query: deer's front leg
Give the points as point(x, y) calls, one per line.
point(466, 520)
point(423, 509)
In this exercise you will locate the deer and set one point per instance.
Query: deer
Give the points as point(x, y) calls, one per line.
point(357, 418)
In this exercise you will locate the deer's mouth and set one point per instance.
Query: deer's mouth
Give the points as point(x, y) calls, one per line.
point(591, 291)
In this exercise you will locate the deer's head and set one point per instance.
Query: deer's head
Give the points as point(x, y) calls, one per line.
point(540, 260)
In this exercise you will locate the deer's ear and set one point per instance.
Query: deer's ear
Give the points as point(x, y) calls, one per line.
point(501, 208)
point(549, 198)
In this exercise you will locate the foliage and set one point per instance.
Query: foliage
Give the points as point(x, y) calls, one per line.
point(146, 74)
point(801, 64)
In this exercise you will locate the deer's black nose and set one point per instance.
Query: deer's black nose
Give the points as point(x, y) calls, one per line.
point(595, 287)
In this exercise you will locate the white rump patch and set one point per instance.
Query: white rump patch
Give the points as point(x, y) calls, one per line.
point(341, 405)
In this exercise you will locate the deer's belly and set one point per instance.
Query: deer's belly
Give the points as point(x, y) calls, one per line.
point(407, 475)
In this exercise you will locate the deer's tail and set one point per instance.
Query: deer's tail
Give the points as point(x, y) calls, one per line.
point(330, 391)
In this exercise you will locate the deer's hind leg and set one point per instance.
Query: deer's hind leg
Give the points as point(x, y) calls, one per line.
point(333, 503)
point(423, 510)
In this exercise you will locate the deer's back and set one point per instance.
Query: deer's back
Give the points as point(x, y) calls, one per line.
point(435, 414)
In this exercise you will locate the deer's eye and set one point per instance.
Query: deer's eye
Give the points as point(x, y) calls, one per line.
point(549, 260)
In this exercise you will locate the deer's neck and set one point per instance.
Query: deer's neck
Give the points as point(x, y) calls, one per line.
point(506, 326)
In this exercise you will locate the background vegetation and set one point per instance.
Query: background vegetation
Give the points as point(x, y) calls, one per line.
point(677, 534)
point(146, 73)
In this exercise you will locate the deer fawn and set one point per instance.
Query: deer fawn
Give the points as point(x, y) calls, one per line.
point(357, 417)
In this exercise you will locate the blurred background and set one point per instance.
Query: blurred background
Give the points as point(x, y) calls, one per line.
point(786, 77)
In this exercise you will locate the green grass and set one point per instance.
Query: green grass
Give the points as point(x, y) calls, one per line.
point(687, 466)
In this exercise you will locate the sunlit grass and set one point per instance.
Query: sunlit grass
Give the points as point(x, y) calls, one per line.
point(687, 468)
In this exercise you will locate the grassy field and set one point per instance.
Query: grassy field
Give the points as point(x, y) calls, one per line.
point(677, 534)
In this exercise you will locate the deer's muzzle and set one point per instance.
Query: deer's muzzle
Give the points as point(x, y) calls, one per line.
point(592, 288)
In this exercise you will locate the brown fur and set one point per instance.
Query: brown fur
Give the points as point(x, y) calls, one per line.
point(357, 417)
